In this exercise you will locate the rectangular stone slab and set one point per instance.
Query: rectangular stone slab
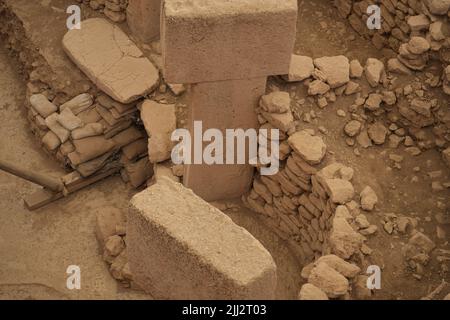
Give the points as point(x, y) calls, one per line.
point(211, 40)
point(111, 60)
point(223, 105)
point(143, 18)
point(181, 247)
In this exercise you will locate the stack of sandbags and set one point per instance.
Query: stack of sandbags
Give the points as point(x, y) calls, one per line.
point(88, 136)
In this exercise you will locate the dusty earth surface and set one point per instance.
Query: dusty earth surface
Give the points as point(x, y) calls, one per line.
point(36, 248)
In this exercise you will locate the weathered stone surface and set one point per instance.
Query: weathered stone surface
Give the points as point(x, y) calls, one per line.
point(226, 105)
point(301, 68)
point(345, 268)
point(160, 122)
point(344, 241)
point(377, 133)
point(368, 198)
point(276, 102)
point(328, 280)
point(317, 87)
point(311, 292)
point(169, 224)
point(374, 71)
point(111, 60)
point(336, 70)
point(250, 39)
point(340, 191)
point(311, 148)
point(143, 18)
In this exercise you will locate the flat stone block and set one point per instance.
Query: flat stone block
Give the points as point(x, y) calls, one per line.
point(181, 247)
point(111, 60)
point(143, 18)
point(213, 40)
point(223, 105)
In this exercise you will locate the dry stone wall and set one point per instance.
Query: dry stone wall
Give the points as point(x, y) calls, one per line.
point(115, 10)
point(425, 23)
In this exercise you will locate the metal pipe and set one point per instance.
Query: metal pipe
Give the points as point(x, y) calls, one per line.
point(53, 184)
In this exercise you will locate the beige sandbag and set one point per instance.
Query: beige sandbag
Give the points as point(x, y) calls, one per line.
point(135, 149)
point(89, 148)
point(127, 136)
point(68, 120)
point(41, 104)
point(53, 124)
point(89, 130)
point(51, 141)
point(139, 172)
point(78, 104)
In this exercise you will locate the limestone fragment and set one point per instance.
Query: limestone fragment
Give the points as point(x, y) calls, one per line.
point(301, 68)
point(368, 198)
point(328, 280)
point(311, 292)
point(160, 122)
point(311, 148)
point(336, 70)
point(276, 102)
point(374, 71)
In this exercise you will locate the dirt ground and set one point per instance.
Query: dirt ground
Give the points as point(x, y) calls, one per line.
point(37, 247)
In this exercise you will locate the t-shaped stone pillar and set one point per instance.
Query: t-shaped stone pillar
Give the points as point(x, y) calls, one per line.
point(226, 50)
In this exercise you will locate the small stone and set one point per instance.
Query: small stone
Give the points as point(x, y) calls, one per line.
point(329, 280)
point(356, 70)
point(340, 191)
point(311, 148)
point(114, 245)
point(341, 113)
point(344, 241)
point(368, 198)
point(317, 87)
point(352, 128)
point(373, 102)
point(301, 68)
point(388, 227)
point(345, 268)
point(374, 71)
point(418, 45)
point(276, 102)
point(311, 292)
point(362, 222)
point(363, 139)
point(336, 70)
point(377, 133)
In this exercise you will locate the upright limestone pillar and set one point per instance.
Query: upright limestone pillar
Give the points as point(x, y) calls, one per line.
point(226, 50)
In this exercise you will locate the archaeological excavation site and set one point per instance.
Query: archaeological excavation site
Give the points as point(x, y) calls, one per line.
point(225, 150)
